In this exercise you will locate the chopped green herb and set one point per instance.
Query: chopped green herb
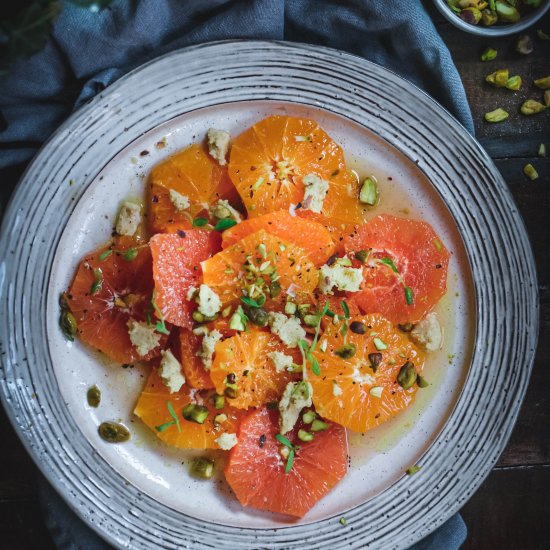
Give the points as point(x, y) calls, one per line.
point(282, 439)
point(289, 461)
point(98, 281)
point(199, 222)
point(105, 255)
point(249, 301)
point(409, 295)
point(389, 262)
point(173, 415)
point(159, 325)
point(315, 366)
point(224, 224)
point(164, 426)
point(345, 309)
point(130, 254)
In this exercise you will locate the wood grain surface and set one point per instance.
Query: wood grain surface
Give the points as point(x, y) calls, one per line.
point(510, 510)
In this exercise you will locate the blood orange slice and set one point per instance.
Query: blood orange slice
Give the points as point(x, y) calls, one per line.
point(176, 268)
point(403, 253)
point(256, 469)
point(193, 369)
point(159, 409)
point(109, 290)
point(362, 391)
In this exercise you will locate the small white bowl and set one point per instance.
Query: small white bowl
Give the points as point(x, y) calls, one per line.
point(495, 30)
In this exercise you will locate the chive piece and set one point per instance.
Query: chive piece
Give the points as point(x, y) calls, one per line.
point(318, 426)
point(195, 413)
point(282, 439)
point(164, 426)
point(379, 344)
point(389, 262)
point(161, 327)
point(249, 301)
point(289, 461)
point(98, 281)
point(105, 255)
point(305, 436)
point(199, 222)
point(308, 417)
point(343, 521)
point(218, 401)
point(369, 191)
point(224, 224)
point(202, 468)
point(345, 309)
point(130, 254)
point(409, 295)
point(413, 469)
point(315, 366)
point(173, 415)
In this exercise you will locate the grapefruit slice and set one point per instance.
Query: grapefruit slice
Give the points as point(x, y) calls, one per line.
point(176, 268)
point(156, 405)
point(345, 393)
point(244, 361)
point(193, 369)
point(417, 254)
point(269, 161)
point(228, 275)
point(192, 173)
point(108, 290)
point(256, 470)
point(312, 237)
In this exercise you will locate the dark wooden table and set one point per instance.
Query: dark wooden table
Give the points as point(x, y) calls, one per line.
point(511, 510)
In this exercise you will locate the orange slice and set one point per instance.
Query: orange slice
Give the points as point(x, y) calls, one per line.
point(193, 369)
point(344, 393)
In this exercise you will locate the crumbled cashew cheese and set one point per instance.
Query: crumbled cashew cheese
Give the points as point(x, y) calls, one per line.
point(143, 336)
point(209, 302)
point(222, 209)
point(180, 202)
point(297, 395)
point(226, 441)
point(128, 219)
point(341, 277)
point(288, 329)
point(428, 332)
point(336, 389)
point(281, 360)
point(170, 372)
point(360, 378)
point(218, 144)
point(208, 347)
point(191, 293)
point(315, 192)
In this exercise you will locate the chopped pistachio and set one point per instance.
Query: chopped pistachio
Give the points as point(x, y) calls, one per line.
point(531, 107)
point(542, 150)
point(407, 376)
point(514, 83)
point(343, 521)
point(369, 191)
point(506, 13)
point(488, 18)
point(93, 396)
point(308, 417)
point(375, 359)
point(290, 308)
point(413, 470)
point(489, 54)
point(67, 322)
point(542, 83)
point(202, 468)
point(305, 436)
point(547, 98)
point(380, 345)
point(230, 393)
point(498, 115)
point(470, 15)
point(357, 327)
point(346, 352)
point(113, 432)
point(195, 413)
point(318, 426)
point(218, 401)
point(376, 391)
point(361, 255)
point(258, 316)
point(498, 78)
point(220, 419)
point(524, 44)
point(530, 171)
point(542, 35)
point(421, 382)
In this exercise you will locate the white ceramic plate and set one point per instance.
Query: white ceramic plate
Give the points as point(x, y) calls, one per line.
point(138, 494)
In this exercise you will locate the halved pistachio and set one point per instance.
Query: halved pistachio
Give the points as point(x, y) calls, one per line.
point(421, 382)
point(218, 401)
point(488, 18)
point(67, 322)
point(498, 78)
point(369, 191)
point(113, 432)
point(498, 115)
point(470, 15)
point(407, 376)
point(531, 107)
point(489, 54)
point(524, 45)
point(530, 171)
point(308, 417)
point(375, 360)
point(542, 83)
point(93, 396)
point(506, 13)
point(514, 83)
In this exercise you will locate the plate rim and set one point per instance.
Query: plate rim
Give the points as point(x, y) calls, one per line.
point(280, 47)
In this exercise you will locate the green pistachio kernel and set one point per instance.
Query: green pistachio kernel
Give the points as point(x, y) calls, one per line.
point(498, 78)
point(514, 83)
point(362, 256)
point(488, 18)
point(542, 150)
point(202, 467)
point(218, 401)
point(346, 352)
point(195, 413)
point(506, 13)
point(67, 322)
point(93, 396)
point(531, 107)
point(308, 417)
point(542, 83)
point(407, 376)
point(258, 316)
point(318, 426)
point(524, 45)
point(498, 115)
point(530, 171)
point(305, 436)
point(369, 191)
point(489, 54)
point(112, 432)
point(421, 382)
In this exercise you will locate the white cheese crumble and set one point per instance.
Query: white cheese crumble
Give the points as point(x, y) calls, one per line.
point(170, 372)
point(361, 378)
point(209, 302)
point(336, 389)
point(180, 202)
point(341, 277)
point(143, 336)
point(428, 332)
point(218, 144)
point(191, 293)
point(226, 441)
point(222, 209)
point(315, 192)
point(287, 329)
point(208, 347)
point(128, 219)
point(297, 395)
point(281, 360)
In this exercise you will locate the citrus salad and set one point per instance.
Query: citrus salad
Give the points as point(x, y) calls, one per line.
point(273, 305)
